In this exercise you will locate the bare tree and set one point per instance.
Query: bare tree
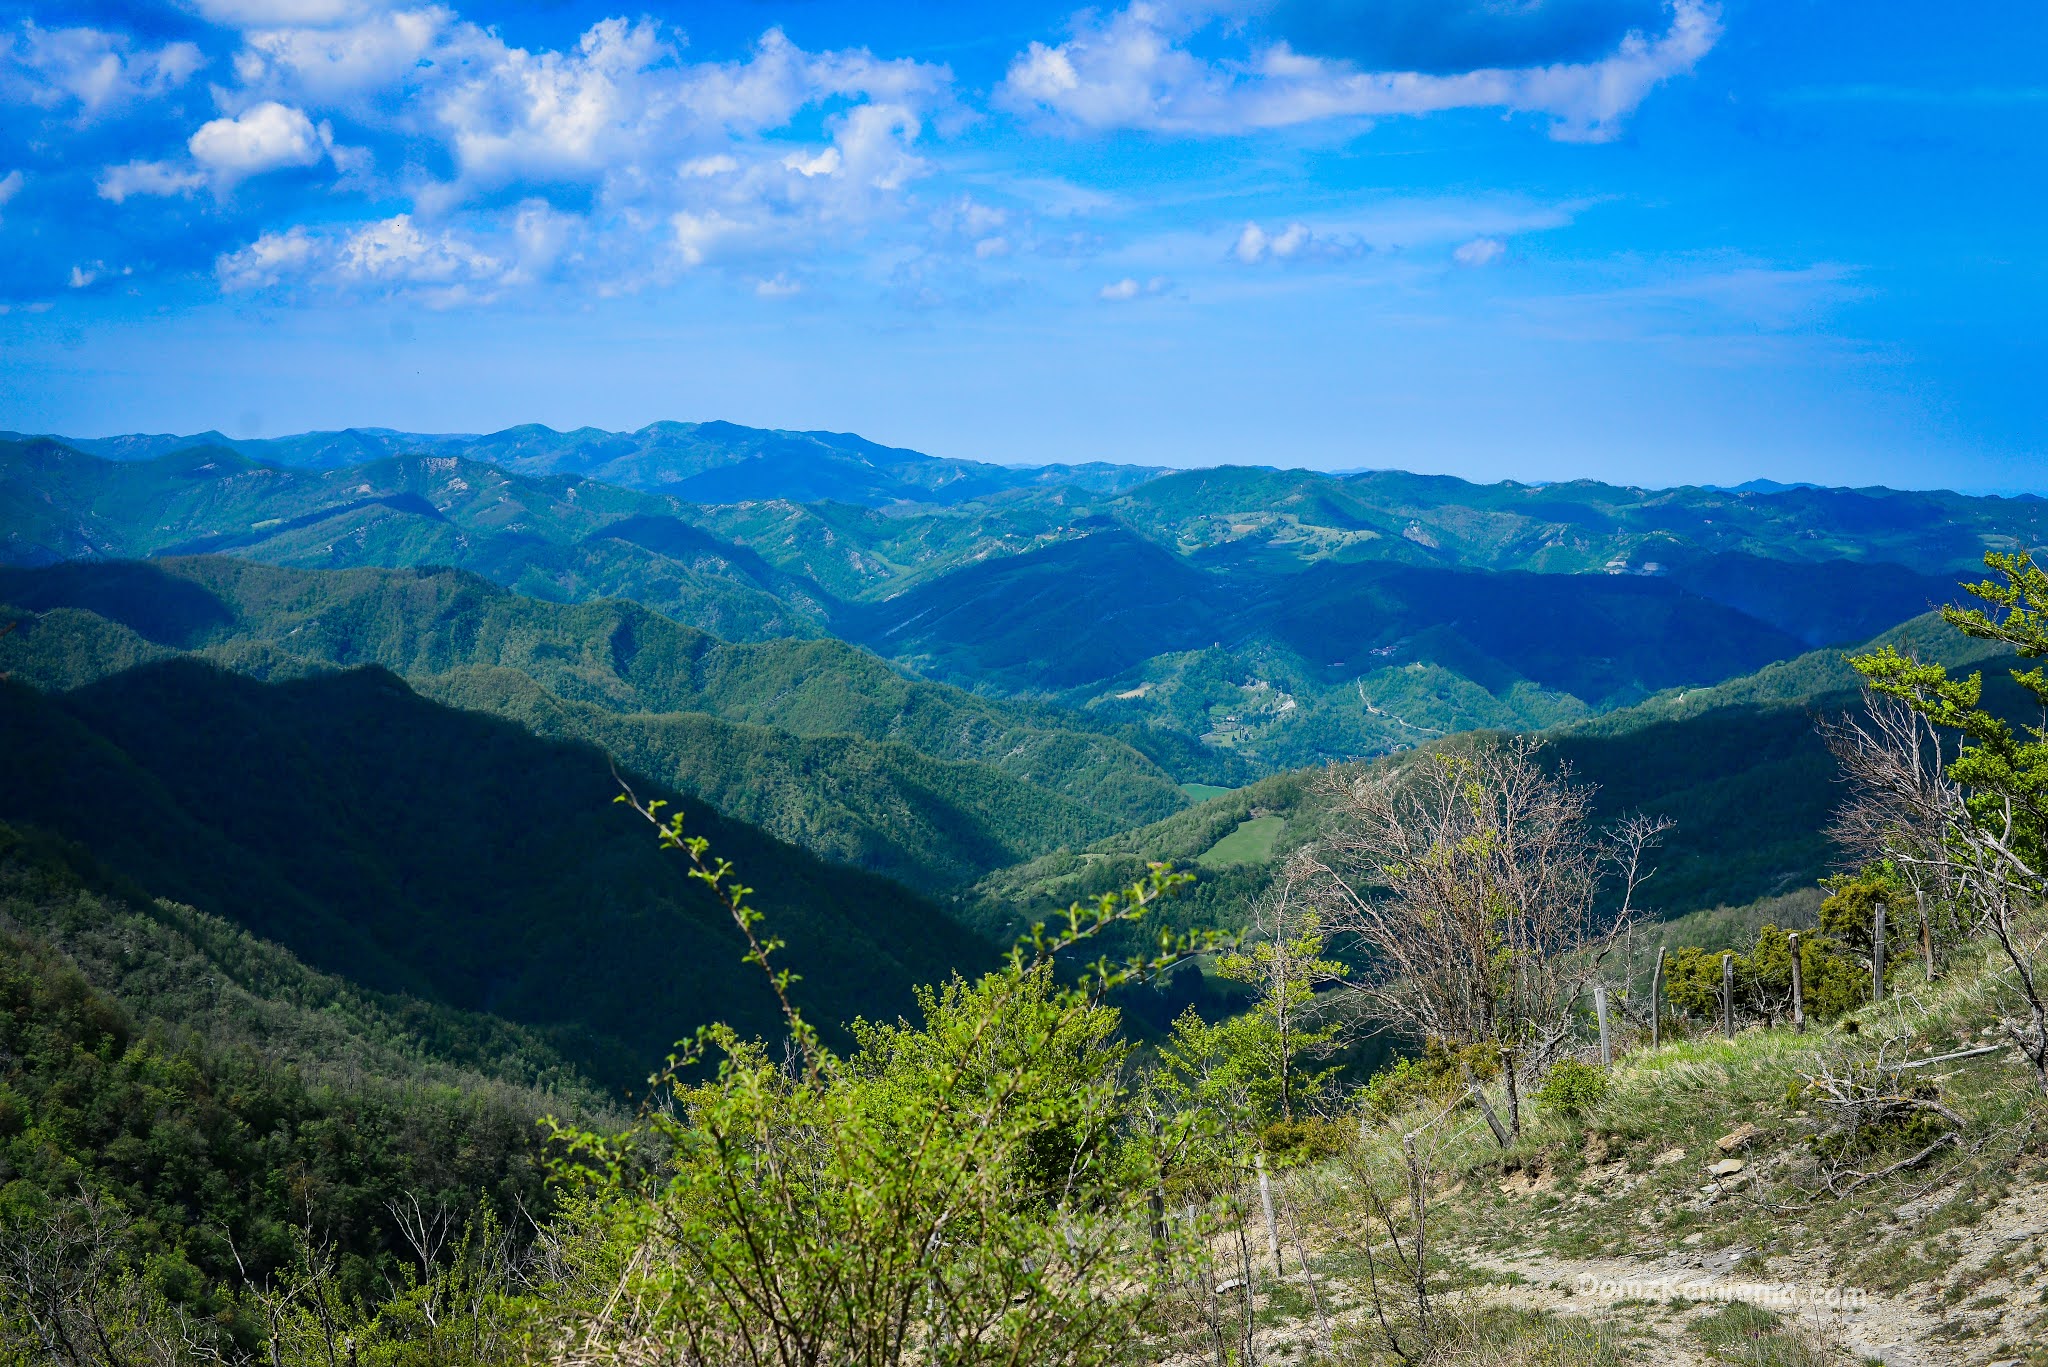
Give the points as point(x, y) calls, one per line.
point(1482, 890)
point(1900, 801)
point(67, 1297)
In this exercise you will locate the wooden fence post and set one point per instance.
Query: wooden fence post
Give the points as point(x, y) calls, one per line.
point(1657, 1001)
point(1418, 1197)
point(1728, 994)
point(1798, 984)
point(1272, 1226)
point(1158, 1203)
point(1877, 956)
point(1600, 1010)
point(1926, 935)
point(1478, 1094)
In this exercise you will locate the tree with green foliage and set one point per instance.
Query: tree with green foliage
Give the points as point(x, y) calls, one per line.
point(969, 1189)
point(1283, 959)
point(1949, 785)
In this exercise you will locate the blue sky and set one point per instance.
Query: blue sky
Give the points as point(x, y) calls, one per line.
point(1634, 239)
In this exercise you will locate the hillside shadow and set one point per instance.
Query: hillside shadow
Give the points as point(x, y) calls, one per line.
point(156, 605)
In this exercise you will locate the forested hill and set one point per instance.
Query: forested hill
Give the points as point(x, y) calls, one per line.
point(1738, 766)
point(208, 1092)
point(451, 856)
point(817, 741)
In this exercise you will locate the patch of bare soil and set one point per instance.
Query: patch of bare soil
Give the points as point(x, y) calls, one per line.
point(1982, 1297)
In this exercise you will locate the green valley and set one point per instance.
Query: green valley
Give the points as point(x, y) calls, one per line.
point(442, 854)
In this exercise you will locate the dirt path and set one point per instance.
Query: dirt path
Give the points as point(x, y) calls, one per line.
point(1666, 1295)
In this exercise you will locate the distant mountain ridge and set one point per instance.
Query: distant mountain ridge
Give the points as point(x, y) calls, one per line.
point(1740, 766)
point(704, 462)
point(1227, 622)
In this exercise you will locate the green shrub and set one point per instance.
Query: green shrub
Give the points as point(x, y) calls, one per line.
point(1572, 1089)
point(1832, 980)
point(1435, 1075)
point(1291, 1143)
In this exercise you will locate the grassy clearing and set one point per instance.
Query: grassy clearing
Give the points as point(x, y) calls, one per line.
point(1202, 792)
point(1505, 1336)
point(1652, 1138)
point(1251, 843)
point(1751, 1336)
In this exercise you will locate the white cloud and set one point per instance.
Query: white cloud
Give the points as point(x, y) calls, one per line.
point(1297, 240)
point(541, 237)
point(1133, 70)
point(778, 286)
point(969, 217)
point(550, 116)
point(269, 260)
point(382, 51)
point(264, 137)
point(1480, 251)
point(272, 14)
point(1290, 241)
point(93, 70)
point(697, 234)
point(874, 142)
point(392, 256)
point(826, 163)
point(10, 186)
point(81, 277)
point(768, 88)
point(988, 248)
point(118, 183)
point(395, 250)
point(722, 164)
point(1129, 288)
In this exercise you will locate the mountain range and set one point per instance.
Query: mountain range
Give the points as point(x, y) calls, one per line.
point(1226, 623)
point(704, 462)
point(998, 688)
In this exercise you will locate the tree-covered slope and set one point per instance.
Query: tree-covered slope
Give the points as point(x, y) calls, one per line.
point(447, 855)
point(816, 741)
point(611, 653)
point(204, 1091)
point(882, 807)
point(1739, 766)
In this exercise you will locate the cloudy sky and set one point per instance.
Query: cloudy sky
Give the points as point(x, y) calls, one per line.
point(1647, 240)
